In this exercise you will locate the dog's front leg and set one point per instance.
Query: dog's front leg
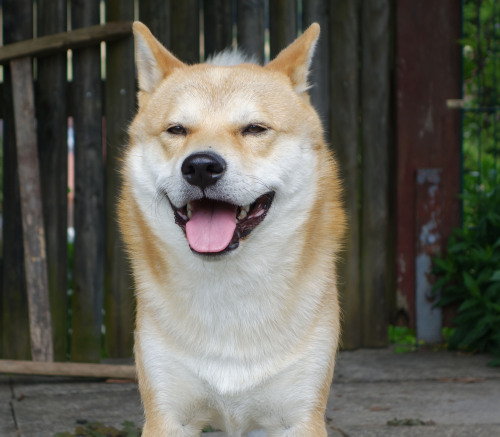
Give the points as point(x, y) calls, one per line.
point(314, 427)
point(169, 416)
point(164, 428)
point(172, 397)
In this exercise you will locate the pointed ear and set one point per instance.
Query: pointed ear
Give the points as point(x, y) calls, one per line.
point(295, 60)
point(154, 62)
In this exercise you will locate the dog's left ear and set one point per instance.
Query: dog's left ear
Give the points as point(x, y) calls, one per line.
point(295, 60)
point(154, 62)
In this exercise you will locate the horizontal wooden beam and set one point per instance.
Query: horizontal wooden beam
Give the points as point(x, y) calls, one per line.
point(115, 371)
point(78, 38)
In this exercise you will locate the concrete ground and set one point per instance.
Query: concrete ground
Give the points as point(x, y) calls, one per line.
point(376, 393)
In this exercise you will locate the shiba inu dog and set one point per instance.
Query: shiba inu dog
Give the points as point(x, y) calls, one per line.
point(231, 214)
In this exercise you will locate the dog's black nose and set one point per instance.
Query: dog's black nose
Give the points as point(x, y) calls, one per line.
point(203, 168)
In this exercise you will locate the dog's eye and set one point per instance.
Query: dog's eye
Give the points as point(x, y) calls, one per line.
point(253, 129)
point(177, 130)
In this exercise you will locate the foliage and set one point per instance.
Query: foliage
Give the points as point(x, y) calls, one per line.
point(480, 48)
point(481, 131)
point(403, 338)
point(469, 272)
point(469, 276)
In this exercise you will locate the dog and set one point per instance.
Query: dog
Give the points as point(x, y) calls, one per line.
point(232, 217)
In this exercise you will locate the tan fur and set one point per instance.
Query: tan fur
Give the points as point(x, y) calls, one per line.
point(247, 340)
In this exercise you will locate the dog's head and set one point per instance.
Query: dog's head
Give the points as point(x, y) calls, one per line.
point(223, 147)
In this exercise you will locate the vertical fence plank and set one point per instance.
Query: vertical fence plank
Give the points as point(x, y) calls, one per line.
point(375, 241)
point(185, 31)
point(218, 25)
point(251, 27)
point(17, 26)
point(428, 133)
point(52, 125)
point(120, 106)
point(282, 24)
point(318, 11)
point(87, 296)
point(344, 128)
point(156, 15)
point(31, 209)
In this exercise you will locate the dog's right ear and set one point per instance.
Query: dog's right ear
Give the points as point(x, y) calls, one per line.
point(154, 62)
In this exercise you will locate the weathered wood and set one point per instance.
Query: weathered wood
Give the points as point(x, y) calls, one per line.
point(251, 27)
point(18, 367)
point(61, 42)
point(218, 25)
point(185, 31)
point(427, 132)
point(344, 128)
point(319, 11)
point(52, 128)
point(31, 210)
point(120, 107)
point(282, 24)
point(156, 15)
point(17, 25)
point(87, 298)
point(376, 241)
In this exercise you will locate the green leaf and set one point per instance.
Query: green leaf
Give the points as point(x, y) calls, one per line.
point(438, 285)
point(495, 276)
point(447, 300)
point(468, 317)
point(494, 363)
point(443, 264)
point(471, 284)
point(468, 304)
point(475, 335)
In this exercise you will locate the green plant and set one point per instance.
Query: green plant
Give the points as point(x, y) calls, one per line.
point(403, 338)
point(469, 271)
point(469, 276)
point(481, 136)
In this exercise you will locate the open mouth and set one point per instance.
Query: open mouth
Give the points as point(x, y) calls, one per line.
point(213, 227)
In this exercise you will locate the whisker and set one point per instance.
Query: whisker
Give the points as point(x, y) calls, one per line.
point(260, 181)
point(161, 195)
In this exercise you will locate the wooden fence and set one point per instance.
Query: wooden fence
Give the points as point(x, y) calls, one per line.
point(351, 76)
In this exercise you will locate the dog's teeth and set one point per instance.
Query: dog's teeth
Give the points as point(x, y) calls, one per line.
point(242, 214)
point(189, 211)
point(246, 208)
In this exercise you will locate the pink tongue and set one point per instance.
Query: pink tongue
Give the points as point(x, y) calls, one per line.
point(211, 226)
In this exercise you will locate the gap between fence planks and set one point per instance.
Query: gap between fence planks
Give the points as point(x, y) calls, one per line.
point(50, 44)
point(19, 367)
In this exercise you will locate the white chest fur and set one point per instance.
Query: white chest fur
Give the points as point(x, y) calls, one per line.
point(237, 353)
